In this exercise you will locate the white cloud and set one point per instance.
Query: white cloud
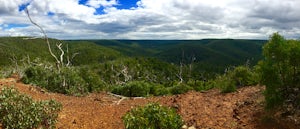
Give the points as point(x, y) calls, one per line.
point(67, 9)
point(152, 19)
point(11, 6)
point(103, 3)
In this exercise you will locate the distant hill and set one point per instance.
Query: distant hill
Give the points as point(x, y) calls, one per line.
point(206, 55)
point(214, 52)
point(21, 47)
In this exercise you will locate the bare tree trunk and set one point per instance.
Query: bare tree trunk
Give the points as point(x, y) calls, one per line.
point(46, 38)
point(180, 69)
point(61, 55)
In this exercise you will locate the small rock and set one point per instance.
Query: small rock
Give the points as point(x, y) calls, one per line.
point(74, 121)
point(192, 127)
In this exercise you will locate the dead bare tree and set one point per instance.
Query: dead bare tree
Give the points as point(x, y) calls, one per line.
point(59, 59)
point(179, 75)
point(58, 62)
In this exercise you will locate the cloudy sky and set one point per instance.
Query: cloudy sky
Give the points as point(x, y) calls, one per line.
point(152, 19)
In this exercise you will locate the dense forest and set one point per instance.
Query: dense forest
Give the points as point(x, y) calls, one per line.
point(143, 68)
point(208, 56)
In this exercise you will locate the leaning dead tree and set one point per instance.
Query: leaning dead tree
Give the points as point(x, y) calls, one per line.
point(179, 75)
point(59, 60)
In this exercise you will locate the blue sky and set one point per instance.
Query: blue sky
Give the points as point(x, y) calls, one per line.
point(122, 4)
point(151, 19)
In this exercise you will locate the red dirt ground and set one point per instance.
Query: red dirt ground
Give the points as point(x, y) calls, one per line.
point(208, 110)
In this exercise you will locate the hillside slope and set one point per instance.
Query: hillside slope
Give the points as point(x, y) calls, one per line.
point(23, 47)
point(208, 56)
point(215, 54)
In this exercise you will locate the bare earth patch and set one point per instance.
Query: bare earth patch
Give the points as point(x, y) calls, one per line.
point(208, 110)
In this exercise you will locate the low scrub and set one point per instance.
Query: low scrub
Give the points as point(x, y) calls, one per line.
point(201, 85)
point(238, 77)
point(152, 116)
point(133, 89)
point(180, 89)
point(70, 80)
point(19, 111)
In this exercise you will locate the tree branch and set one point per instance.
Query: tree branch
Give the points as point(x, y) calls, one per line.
point(45, 36)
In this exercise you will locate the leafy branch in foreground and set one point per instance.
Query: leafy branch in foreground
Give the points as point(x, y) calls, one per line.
point(152, 116)
point(280, 71)
point(19, 111)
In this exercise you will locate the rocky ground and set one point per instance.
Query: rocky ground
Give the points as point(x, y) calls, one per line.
point(243, 109)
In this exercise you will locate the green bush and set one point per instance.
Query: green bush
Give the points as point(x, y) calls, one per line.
point(67, 81)
point(201, 85)
point(18, 111)
point(226, 84)
point(158, 90)
point(133, 89)
point(236, 77)
point(243, 76)
point(180, 89)
point(152, 116)
point(93, 80)
point(280, 70)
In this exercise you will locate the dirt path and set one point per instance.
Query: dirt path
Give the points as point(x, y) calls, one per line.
point(210, 110)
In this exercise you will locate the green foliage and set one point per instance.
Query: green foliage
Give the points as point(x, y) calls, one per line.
point(136, 69)
point(67, 81)
point(133, 89)
point(244, 76)
point(18, 111)
point(226, 84)
point(152, 116)
point(201, 85)
point(280, 71)
point(93, 80)
point(180, 89)
point(237, 77)
point(158, 90)
point(212, 55)
point(100, 64)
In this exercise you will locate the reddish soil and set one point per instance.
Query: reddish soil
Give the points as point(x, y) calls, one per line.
point(208, 110)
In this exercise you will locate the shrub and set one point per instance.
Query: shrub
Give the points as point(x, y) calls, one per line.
point(18, 111)
point(237, 77)
point(280, 71)
point(180, 89)
point(93, 80)
point(201, 85)
point(133, 89)
point(67, 81)
point(226, 84)
point(158, 90)
point(152, 116)
point(243, 76)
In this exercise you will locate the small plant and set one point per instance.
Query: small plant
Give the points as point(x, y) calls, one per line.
point(133, 89)
point(180, 89)
point(201, 85)
point(67, 81)
point(19, 111)
point(158, 90)
point(226, 84)
point(152, 116)
point(238, 77)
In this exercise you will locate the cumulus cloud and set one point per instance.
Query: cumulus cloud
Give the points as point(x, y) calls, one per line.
point(99, 3)
point(154, 19)
point(11, 6)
